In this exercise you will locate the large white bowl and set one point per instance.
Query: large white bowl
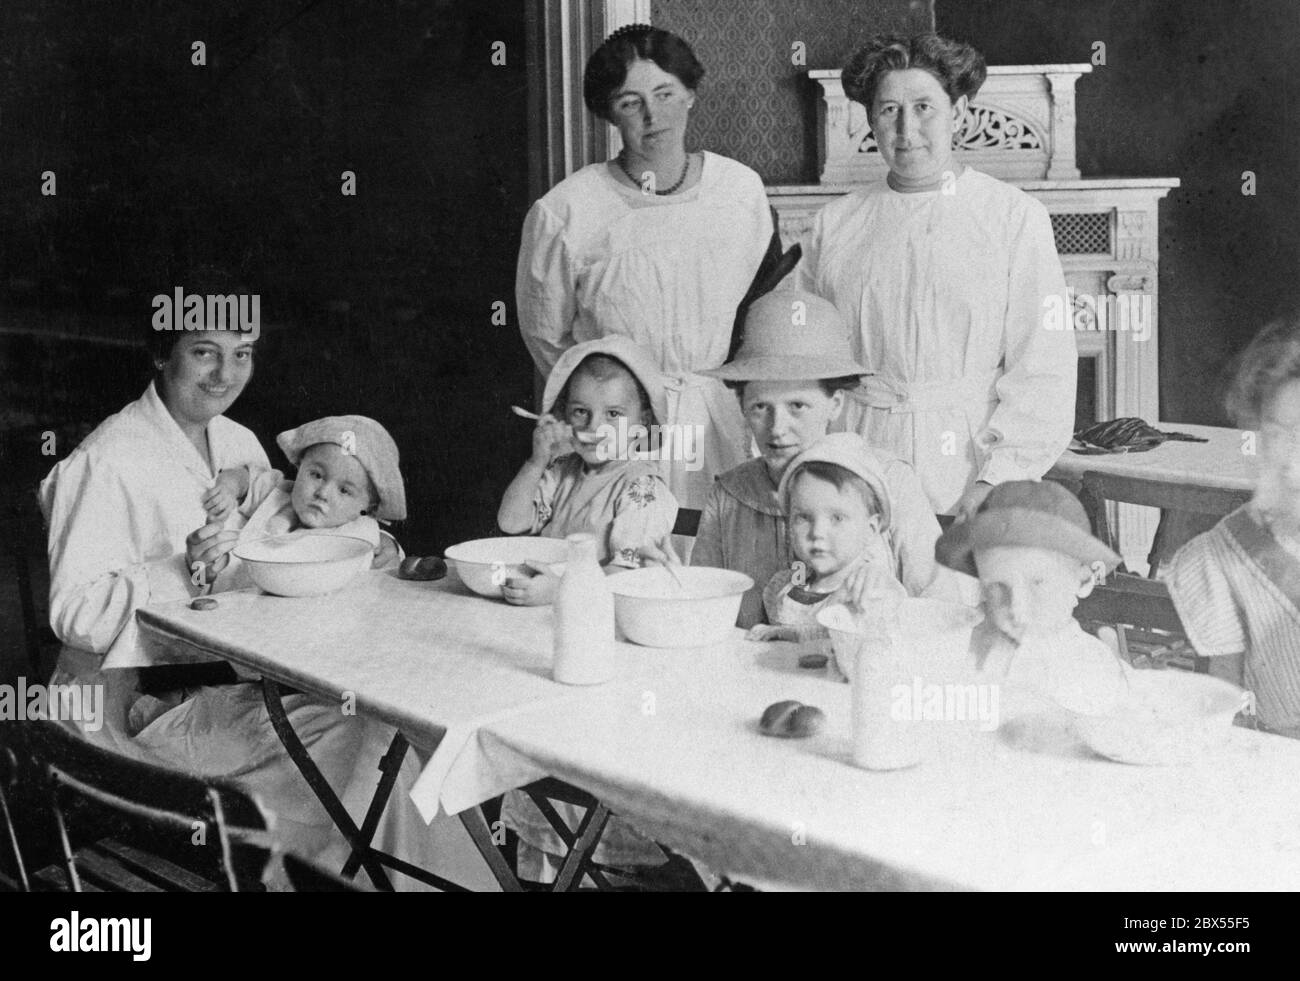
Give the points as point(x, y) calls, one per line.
point(651, 610)
point(935, 635)
point(485, 563)
point(304, 563)
point(1170, 716)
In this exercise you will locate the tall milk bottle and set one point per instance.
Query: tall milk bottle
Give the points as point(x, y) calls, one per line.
point(880, 740)
point(584, 618)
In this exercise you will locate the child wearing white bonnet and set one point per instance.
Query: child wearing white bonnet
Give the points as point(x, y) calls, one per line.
point(348, 481)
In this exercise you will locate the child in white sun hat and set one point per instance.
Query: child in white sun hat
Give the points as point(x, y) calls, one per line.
point(1032, 547)
point(790, 375)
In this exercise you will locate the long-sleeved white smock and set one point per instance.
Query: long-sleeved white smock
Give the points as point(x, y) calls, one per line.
point(600, 258)
point(948, 294)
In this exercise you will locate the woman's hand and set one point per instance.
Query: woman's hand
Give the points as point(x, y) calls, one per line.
point(207, 552)
point(551, 438)
point(537, 589)
point(970, 502)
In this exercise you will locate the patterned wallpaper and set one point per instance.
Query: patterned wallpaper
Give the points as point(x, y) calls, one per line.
point(755, 105)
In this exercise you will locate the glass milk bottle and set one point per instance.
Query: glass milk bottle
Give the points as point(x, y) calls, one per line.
point(880, 740)
point(584, 618)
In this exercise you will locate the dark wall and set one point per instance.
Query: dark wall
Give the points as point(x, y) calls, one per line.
point(379, 303)
point(756, 105)
point(1201, 90)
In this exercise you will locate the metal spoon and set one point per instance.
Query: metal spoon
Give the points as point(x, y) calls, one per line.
point(590, 439)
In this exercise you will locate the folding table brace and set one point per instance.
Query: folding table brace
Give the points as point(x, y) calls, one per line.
point(371, 859)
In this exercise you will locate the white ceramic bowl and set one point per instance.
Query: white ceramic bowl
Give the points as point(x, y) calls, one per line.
point(651, 610)
point(1170, 717)
point(936, 634)
point(485, 563)
point(303, 563)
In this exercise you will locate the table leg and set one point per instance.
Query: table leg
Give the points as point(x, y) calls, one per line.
point(320, 786)
point(390, 766)
point(474, 822)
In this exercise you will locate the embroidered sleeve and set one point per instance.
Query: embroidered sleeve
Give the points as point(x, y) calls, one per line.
point(644, 512)
point(548, 489)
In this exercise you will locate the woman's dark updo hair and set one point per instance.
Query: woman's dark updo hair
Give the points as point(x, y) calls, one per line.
point(1269, 362)
point(958, 67)
point(202, 280)
point(607, 67)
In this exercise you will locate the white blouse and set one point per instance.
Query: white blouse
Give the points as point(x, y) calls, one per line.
point(946, 294)
point(601, 258)
point(119, 509)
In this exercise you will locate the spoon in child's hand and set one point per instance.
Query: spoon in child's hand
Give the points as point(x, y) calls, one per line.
point(590, 439)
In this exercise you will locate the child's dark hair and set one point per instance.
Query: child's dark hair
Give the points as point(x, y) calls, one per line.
point(1268, 363)
point(828, 385)
point(602, 367)
point(840, 478)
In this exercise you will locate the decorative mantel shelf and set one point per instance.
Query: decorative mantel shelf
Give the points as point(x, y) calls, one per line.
point(1019, 126)
point(1021, 130)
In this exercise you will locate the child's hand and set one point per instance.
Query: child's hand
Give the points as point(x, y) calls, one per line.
point(223, 497)
point(551, 438)
point(208, 547)
point(872, 587)
point(537, 589)
point(659, 553)
point(770, 631)
point(388, 554)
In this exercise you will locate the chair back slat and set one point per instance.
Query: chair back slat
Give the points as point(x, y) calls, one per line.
point(688, 522)
point(66, 770)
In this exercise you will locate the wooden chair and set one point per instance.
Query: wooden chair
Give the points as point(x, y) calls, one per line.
point(22, 538)
point(1147, 625)
point(307, 876)
point(1185, 511)
point(167, 831)
point(688, 522)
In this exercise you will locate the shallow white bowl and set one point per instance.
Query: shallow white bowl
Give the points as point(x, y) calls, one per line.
point(304, 564)
point(651, 610)
point(936, 635)
point(1170, 717)
point(485, 563)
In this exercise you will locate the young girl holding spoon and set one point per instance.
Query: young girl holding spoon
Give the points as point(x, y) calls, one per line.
point(578, 478)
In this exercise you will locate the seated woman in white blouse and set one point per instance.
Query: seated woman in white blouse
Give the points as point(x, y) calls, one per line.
point(945, 276)
point(119, 510)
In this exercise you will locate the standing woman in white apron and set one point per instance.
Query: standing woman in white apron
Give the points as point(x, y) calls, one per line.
point(947, 278)
point(659, 245)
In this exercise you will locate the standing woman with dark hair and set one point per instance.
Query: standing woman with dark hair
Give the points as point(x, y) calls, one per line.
point(659, 245)
point(944, 275)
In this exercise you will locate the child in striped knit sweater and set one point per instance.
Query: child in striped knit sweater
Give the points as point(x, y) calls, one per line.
point(1237, 587)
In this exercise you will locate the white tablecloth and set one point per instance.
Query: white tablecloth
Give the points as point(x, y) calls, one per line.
point(672, 745)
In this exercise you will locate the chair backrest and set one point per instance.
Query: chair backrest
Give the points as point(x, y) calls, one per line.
point(1132, 601)
point(307, 876)
point(1161, 494)
point(22, 538)
point(214, 823)
point(688, 522)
